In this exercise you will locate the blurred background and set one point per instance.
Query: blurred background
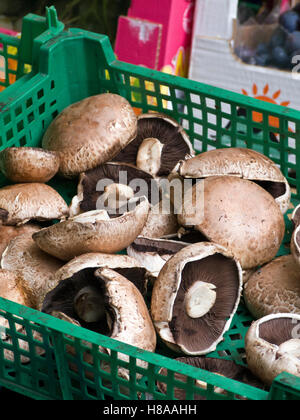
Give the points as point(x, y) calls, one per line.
point(94, 15)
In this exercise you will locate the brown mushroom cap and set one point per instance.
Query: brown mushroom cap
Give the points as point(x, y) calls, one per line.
point(11, 288)
point(34, 266)
point(244, 163)
point(7, 233)
point(90, 132)
point(132, 321)
point(28, 164)
point(272, 346)
point(274, 288)
point(126, 313)
point(20, 203)
point(89, 232)
point(173, 145)
point(122, 264)
point(251, 229)
point(195, 297)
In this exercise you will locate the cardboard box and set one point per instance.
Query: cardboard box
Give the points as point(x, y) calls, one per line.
point(214, 62)
point(157, 34)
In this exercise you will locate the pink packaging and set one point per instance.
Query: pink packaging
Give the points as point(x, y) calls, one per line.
point(8, 32)
point(157, 34)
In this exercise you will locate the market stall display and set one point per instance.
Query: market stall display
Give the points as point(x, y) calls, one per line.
point(48, 354)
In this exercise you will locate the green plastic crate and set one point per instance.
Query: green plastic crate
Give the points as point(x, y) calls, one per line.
point(68, 66)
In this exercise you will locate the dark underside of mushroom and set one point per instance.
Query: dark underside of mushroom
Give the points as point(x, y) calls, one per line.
point(3, 215)
point(174, 149)
point(62, 299)
point(191, 236)
point(277, 330)
point(276, 189)
point(92, 193)
point(137, 276)
point(226, 368)
point(198, 334)
point(164, 247)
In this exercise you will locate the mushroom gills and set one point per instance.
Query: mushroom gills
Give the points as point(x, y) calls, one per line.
point(218, 277)
point(137, 275)
point(277, 331)
point(124, 186)
point(80, 297)
point(276, 189)
point(171, 137)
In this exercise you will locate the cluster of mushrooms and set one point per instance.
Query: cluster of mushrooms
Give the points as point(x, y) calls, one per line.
point(185, 271)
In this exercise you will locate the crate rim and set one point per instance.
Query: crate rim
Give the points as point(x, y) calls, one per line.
point(152, 75)
point(63, 327)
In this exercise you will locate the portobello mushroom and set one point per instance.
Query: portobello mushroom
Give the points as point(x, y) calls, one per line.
point(90, 132)
point(28, 164)
point(159, 145)
point(20, 203)
point(243, 163)
point(195, 297)
point(110, 186)
point(220, 208)
point(122, 264)
point(104, 301)
point(34, 266)
point(274, 288)
point(272, 346)
point(93, 231)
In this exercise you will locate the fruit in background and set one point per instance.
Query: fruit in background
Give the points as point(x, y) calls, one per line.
point(293, 42)
point(262, 55)
point(280, 58)
point(263, 59)
point(290, 20)
point(246, 54)
point(262, 48)
point(278, 38)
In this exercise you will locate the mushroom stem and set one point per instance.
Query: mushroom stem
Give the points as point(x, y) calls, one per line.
point(89, 305)
point(116, 195)
point(200, 298)
point(149, 155)
point(292, 347)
